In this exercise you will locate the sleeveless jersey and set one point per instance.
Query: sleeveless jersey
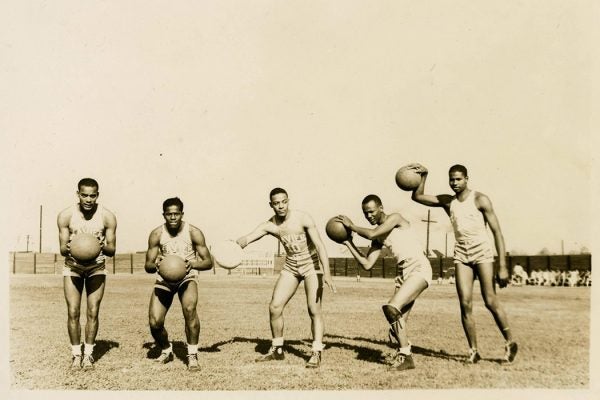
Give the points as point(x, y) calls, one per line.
point(95, 226)
point(468, 222)
point(298, 247)
point(403, 244)
point(180, 244)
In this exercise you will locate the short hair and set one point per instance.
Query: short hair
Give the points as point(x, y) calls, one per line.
point(89, 182)
point(275, 191)
point(372, 197)
point(173, 201)
point(458, 168)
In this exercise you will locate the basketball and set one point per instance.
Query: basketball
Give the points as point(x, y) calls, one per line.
point(227, 254)
point(407, 178)
point(85, 247)
point(336, 231)
point(172, 268)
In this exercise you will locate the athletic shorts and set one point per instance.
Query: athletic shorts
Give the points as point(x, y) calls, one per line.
point(415, 267)
point(161, 284)
point(78, 272)
point(303, 268)
point(470, 253)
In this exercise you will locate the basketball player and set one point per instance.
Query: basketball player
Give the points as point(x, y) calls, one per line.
point(87, 216)
point(177, 237)
point(394, 232)
point(297, 232)
point(470, 212)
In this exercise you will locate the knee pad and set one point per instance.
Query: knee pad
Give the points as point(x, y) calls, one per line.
point(392, 314)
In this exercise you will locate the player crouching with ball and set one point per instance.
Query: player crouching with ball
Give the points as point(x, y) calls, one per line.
point(394, 232)
point(176, 238)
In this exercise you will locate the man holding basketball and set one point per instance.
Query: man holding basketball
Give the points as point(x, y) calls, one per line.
point(414, 270)
point(470, 212)
point(87, 216)
point(176, 237)
point(297, 232)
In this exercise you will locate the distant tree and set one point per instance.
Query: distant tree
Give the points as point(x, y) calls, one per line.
point(544, 252)
point(584, 250)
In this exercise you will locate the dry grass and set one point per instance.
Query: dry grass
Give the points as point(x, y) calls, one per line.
point(552, 326)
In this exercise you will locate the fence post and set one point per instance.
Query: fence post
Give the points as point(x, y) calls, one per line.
point(34, 263)
point(14, 262)
point(345, 267)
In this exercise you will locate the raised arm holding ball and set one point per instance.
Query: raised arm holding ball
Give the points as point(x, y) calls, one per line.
point(470, 212)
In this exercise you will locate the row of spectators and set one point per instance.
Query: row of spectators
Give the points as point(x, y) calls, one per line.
point(551, 277)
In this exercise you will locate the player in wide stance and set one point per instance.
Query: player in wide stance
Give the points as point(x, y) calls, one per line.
point(297, 232)
point(176, 237)
point(394, 232)
point(87, 216)
point(470, 212)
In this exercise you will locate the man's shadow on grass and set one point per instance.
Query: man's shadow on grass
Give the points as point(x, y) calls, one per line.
point(377, 355)
point(180, 349)
point(102, 347)
point(296, 348)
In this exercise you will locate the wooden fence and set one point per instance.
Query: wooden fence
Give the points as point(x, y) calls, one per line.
point(133, 263)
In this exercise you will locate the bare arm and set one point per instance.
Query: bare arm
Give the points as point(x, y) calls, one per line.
point(152, 254)
point(110, 234)
point(313, 234)
point(390, 223)
point(418, 195)
point(256, 234)
point(370, 259)
point(64, 234)
point(203, 259)
point(484, 205)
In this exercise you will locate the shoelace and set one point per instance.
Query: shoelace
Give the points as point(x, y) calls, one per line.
point(399, 359)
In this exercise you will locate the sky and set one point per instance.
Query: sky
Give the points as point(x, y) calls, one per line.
point(219, 102)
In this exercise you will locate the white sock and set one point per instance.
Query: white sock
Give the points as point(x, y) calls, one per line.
point(76, 349)
point(88, 349)
point(277, 342)
point(317, 346)
point(405, 350)
point(192, 348)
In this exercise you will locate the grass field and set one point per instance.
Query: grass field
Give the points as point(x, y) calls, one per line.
point(552, 325)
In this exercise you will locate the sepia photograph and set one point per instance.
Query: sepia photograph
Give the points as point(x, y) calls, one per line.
point(299, 199)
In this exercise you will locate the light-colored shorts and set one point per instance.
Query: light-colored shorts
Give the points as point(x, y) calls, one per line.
point(84, 272)
point(473, 253)
point(161, 284)
point(415, 267)
point(303, 268)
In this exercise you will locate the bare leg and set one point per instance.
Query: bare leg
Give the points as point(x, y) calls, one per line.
point(160, 301)
point(282, 293)
point(94, 287)
point(464, 288)
point(188, 296)
point(73, 287)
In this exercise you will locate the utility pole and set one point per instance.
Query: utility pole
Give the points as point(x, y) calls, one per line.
point(27, 248)
point(429, 221)
point(40, 247)
point(446, 246)
point(562, 247)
